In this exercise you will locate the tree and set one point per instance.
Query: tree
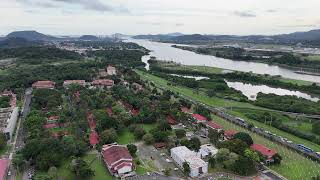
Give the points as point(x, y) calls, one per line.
point(167, 171)
point(148, 138)
point(18, 161)
point(244, 166)
point(3, 141)
point(245, 137)
point(81, 168)
point(212, 162)
point(180, 133)
point(139, 132)
point(186, 168)
point(108, 136)
point(235, 145)
point(195, 143)
point(277, 159)
point(316, 127)
point(214, 136)
point(132, 149)
point(254, 156)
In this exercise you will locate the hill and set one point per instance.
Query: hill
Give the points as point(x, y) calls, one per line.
point(14, 42)
point(30, 36)
point(89, 38)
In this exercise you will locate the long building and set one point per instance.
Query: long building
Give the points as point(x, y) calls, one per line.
point(117, 159)
point(182, 154)
point(9, 115)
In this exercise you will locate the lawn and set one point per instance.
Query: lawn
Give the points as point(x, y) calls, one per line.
point(126, 137)
point(148, 127)
point(100, 171)
point(5, 149)
point(313, 58)
point(294, 166)
point(298, 82)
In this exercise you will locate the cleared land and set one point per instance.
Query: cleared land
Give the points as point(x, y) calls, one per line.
point(294, 166)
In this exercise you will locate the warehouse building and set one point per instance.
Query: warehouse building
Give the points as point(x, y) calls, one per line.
point(182, 154)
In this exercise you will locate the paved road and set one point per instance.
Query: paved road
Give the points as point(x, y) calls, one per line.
point(18, 142)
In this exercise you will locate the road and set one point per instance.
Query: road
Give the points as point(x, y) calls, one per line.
point(18, 142)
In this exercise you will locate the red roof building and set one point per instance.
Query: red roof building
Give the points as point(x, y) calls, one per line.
point(266, 152)
point(91, 121)
point(171, 120)
point(186, 110)
point(4, 164)
point(67, 83)
point(159, 145)
point(199, 118)
point(228, 134)
point(44, 85)
point(94, 138)
point(213, 125)
point(50, 126)
point(134, 112)
point(117, 159)
point(101, 83)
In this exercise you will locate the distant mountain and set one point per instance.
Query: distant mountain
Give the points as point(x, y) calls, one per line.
point(30, 36)
point(174, 34)
point(161, 37)
point(89, 38)
point(192, 37)
point(13, 42)
point(300, 36)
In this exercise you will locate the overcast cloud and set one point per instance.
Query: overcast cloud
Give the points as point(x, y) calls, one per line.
point(75, 17)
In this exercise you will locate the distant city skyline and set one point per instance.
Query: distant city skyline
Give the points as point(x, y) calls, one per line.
point(104, 17)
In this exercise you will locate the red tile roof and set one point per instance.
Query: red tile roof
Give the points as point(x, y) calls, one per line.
point(4, 163)
point(135, 112)
point(69, 82)
point(230, 133)
point(186, 110)
point(44, 85)
point(103, 82)
point(213, 125)
point(113, 154)
point(159, 145)
point(269, 153)
point(50, 126)
point(91, 121)
point(171, 120)
point(94, 138)
point(53, 117)
point(199, 117)
point(109, 111)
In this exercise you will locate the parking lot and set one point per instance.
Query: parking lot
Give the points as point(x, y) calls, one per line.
point(159, 159)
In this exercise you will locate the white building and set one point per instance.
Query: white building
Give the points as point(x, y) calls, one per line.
point(207, 150)
point(11, 122)
point(182, 154)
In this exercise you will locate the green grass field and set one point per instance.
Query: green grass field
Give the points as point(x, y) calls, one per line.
point(126, 137)
point(294, 166)
point(100, 171)
point(313, 58)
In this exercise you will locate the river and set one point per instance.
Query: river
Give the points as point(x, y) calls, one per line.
point(164, 51)
point(251, 91)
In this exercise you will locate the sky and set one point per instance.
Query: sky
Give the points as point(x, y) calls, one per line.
point(103, 17)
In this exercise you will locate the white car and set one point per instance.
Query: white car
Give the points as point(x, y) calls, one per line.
point(9, 173)
point(176, 169)
point(168, 160)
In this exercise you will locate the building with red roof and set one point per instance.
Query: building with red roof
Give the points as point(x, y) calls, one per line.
point(228, 134)
point(109, 111)
point(111, 70)
point(44, 85)
point(94, 138)
point(103, 83)
point(91, 120)
point(50, 126)
point(266, 152)
point(117, 159)
point(134, 112)
point(4, 164)
point(186, 110)
point(67, 83)
point(213, 125)
point(171, 120)
point(199, 118)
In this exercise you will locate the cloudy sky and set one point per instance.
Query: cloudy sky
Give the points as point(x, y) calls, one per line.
point(75, 17)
